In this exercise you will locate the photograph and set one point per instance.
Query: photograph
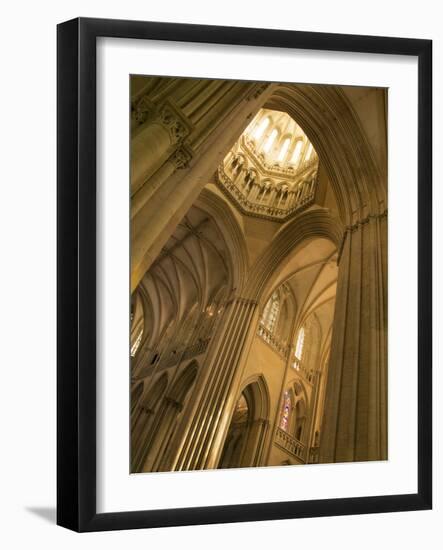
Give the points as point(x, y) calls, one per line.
point(227, 255)
point(258, 300)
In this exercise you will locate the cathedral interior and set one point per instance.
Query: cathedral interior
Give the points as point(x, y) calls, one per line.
point(258, 274)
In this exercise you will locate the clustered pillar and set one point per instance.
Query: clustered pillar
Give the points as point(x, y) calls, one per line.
point(209, 418)
point(176, 143)
point(355, 414)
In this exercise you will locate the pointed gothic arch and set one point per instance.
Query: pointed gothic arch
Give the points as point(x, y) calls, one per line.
point(159, 451)
point(244, 441)
point(336, 133)
point(142, 418)
point(315, 223)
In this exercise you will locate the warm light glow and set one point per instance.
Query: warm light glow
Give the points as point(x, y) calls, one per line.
point(297, 151)
point(300, 343)
point(136, 344)
point(264, 132)
point(267, 165)
point(261, 128)
point(270, 141)
point(284, 149)
point(309, 153)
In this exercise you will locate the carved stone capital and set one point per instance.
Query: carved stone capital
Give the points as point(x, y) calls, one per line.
point(175, 121)
point(257, 91)
point(143, 111)
point(349, 229)
point(167, 114)
point(182, 156)
point(366, 219)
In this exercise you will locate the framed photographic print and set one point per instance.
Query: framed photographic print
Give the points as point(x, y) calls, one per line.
point(244, 274)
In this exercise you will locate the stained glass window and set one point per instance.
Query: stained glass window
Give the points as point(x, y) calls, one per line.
point(270, 313)
point(286, 411)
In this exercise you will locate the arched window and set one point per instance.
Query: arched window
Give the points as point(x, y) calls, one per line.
point(284, 149)
point(299, 347)
point(260, 128)
point(270, 313)
point(309, 152)
point(270, 140)
point(286, 411)
point(297, 151)
point(136, 344)
point(137, 323)
point(243, 446)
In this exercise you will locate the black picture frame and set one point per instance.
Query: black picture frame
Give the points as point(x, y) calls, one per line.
point(76, 280)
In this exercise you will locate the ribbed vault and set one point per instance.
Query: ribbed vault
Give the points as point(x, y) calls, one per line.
point(315, 223)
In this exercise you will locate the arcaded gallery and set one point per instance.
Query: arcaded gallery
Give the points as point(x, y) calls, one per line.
point(258, 274)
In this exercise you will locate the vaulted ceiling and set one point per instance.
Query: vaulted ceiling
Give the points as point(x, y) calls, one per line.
point(192, 270)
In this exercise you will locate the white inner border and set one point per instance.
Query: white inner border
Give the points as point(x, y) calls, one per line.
point(116, 489)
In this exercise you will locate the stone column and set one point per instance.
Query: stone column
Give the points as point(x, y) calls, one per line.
point(291, 200)
point(161, 208)
point(207, 421)
point(160, 430)
point(313, 411)
point(251, 190)
point(179, 159)
point(152, 195)
point(355, 412)
point(272, 195)
point(253, 455)
point(164, 127)
point(238, 174)
point(158, 455)
point(139, 436)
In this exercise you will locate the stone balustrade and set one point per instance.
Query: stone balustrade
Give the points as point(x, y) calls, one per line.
point(308, 374)
point(280, 347)
point(277, 170)
point(290, 444)
point(262, 199)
